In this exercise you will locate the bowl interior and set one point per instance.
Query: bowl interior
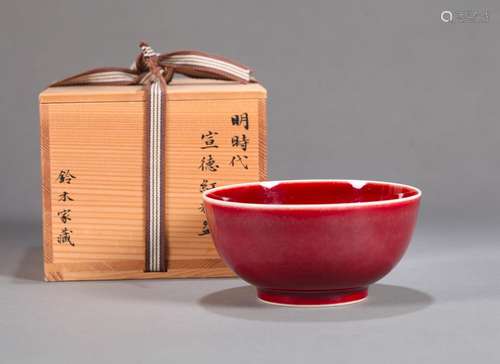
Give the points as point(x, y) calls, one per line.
point(312, 192)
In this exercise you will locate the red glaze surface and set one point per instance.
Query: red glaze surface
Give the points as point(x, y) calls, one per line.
point(309, 236)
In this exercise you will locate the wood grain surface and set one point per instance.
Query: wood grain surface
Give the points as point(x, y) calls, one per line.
point(93, 163)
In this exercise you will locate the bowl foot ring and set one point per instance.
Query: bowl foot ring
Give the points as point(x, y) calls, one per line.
point(312, 298)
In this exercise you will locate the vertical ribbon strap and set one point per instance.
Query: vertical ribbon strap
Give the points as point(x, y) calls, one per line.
point(155, 126)
point(155, 239)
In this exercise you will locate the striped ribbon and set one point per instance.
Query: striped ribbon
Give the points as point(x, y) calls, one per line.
point(155, 71)
point(155, 252)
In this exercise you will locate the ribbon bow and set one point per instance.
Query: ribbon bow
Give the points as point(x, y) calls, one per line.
point(155, 71)
point(150, 66)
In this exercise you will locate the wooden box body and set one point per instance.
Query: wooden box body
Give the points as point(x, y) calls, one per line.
point(93, 172)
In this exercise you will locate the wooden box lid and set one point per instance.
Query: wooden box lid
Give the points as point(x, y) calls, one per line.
point(178, 89)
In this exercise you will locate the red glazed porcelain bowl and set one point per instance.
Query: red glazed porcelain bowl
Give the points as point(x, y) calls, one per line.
point(318, 242)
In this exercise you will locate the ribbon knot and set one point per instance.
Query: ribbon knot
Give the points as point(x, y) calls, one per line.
point(149, 64)
point(155, 71)
point(147, 51)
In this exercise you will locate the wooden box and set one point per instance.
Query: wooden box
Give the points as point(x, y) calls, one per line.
point(93, 165)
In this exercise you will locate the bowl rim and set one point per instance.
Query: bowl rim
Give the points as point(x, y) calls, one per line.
point(356, 183)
